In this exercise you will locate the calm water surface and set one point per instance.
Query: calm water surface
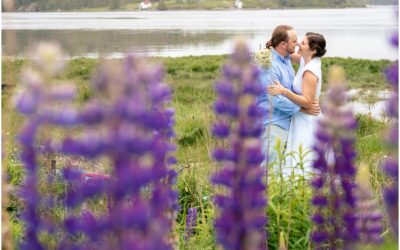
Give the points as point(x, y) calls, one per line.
point(357, 33)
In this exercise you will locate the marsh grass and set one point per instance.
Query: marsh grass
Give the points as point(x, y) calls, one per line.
point(191, 79)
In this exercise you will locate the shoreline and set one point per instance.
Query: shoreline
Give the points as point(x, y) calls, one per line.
point(202, 9)
point(134, 8)
point(122, 56)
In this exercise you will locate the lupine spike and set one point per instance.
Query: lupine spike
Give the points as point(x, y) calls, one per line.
point(191, 221)
point(128, 122)
point(29, 101)
point(334, 201)
point(242, 220)
point(139, 150)
point(391, 165)
point(369, 222)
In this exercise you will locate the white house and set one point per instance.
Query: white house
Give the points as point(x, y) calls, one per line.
point(146, 4)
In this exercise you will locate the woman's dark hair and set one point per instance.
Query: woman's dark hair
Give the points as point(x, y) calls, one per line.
point(280, 34)
point(317, 43)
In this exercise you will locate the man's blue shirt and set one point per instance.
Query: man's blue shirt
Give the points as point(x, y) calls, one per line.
point(282, 108)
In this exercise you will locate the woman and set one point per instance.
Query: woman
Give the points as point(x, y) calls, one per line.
point(305, 91)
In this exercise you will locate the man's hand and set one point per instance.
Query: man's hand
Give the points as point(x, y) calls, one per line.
point(313, 110)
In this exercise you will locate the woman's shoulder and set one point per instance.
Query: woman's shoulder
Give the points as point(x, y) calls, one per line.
point(314, 64)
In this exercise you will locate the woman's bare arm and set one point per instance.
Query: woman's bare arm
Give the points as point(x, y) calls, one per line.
point(309, 89)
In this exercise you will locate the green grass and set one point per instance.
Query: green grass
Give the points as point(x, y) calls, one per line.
point(361, 73)
point(197, 74)
point(191, 79)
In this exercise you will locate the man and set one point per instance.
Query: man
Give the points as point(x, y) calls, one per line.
point(278, 109)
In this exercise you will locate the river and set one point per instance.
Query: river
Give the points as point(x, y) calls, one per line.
point(353, 32)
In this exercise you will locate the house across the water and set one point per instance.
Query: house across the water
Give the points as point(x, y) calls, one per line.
point(145, 5)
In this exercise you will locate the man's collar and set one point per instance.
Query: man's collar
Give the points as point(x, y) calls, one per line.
point(278, 56)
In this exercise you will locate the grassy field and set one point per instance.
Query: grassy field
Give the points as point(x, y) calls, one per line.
point(191, 79)
point(186, 74)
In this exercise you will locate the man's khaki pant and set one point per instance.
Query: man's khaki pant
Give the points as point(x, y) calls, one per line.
point(272, 136)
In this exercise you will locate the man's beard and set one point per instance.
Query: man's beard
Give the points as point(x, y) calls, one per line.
point(291, 51)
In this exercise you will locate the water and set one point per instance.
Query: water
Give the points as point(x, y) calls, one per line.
point(377, 110)
point(355, 32)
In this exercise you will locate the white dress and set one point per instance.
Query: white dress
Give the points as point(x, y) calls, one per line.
point(302, 126)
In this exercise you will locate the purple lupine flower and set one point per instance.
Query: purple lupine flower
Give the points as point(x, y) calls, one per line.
point(136, 127)
point(191, 220)
point(391, 164)
point(369, 222)
point(129, 123)
point(334, 200)
point(242, 219)
point(31, 101)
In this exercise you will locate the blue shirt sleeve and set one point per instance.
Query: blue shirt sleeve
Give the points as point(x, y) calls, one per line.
point(283, 104)
point(280, 102)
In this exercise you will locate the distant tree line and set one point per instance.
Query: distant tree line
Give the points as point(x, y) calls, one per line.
point(323, 3)
point(43, 5)
point(384, 2)
point(317, 3)
point(68, 4)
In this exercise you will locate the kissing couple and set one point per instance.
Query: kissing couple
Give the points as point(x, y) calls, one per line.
point(290, 100)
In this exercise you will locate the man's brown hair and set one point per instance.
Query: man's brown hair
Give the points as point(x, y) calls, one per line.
point(280, 34)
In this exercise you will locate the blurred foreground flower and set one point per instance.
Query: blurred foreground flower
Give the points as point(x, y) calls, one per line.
point(334, 215)
point(242, 220)
point(35, 99)
point(127, 122)
point(369, 221)
point(48, 58)
point(391, 165)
